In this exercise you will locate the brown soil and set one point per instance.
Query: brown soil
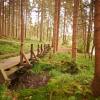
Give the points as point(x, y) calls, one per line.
point(64, 49)
point(29, 80)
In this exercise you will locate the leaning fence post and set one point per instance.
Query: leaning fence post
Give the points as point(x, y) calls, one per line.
point(38, 50)
point(31, 51)
point(41, 49)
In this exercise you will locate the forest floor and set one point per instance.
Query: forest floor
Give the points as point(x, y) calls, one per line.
point(10, 47)
point(63, 48)
point(53, 77)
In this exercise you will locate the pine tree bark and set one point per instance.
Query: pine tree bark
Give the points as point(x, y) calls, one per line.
point(0, 18)
point(22, 34)
point(5, 20)
point(9, 19)
point(41, 25)
point(47, 37)
point(96, 80)
point(13, 18)
point(64, 31)
point(38, 23)
point(89, 27)
point(56, 25)
point(74, 36)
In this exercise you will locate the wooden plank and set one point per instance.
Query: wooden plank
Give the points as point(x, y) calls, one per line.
point(13, 61)
point(10, 62)
point(12, 70)
point(4, 75)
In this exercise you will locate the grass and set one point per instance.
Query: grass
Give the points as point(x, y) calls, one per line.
point(4, 93)
point(69, 80)
point(63, 85)
point(11, 47)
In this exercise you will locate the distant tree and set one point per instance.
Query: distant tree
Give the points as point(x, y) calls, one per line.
point(65, 19)
point(41, 25)
point(74, 36)
point(90, 28)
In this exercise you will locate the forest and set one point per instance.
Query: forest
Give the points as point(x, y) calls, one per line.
point(49, 49)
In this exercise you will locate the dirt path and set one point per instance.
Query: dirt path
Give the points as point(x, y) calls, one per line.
point(64, 49)
point(12, 61)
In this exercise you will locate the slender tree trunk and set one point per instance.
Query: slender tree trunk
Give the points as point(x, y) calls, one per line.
point(56, 25)
point(26, 25)
point(74, 36)
point(47, 37)
point(5, 22)
point(13, 18)
point(89, 28)
point(84, 37)
point(3, 17)
point(22, 34)
point(9, 19)
point(64, 31)
point(38, 23)
point(0, 18)
point(16, 21)
point(41, 25)
point(96, 80)
point(19, 21)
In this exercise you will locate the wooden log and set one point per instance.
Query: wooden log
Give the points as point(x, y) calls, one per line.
point(3, 76)
point(41, 49)
point(33, 57)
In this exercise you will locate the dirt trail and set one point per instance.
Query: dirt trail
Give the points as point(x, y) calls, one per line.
point(64, 49)
point(12, 61)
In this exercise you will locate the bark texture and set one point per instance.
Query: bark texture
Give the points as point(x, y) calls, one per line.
point(56, 25)
point(74, 37)
point(96, 80)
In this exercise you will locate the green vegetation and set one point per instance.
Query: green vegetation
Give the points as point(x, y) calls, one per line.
point(4, 93)
point(10, 47)
point(69, 80)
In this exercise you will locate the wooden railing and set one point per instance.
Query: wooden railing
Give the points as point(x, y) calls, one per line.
point(7, 70)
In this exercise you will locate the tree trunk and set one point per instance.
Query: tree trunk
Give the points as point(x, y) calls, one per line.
point(13, 18)
point(38, 23)
point(96, 80)
point(64, 30)
point(3, 17)
point(5, 21)
point(56, 25)
point(41, 25)
point(22, 34)
point(74, 36)
point(89, 28)
point(9, 19)
point(0, 18)
point(47, 37)
point(16, 19)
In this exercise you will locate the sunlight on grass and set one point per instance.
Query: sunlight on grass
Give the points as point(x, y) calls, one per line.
point(9, 48)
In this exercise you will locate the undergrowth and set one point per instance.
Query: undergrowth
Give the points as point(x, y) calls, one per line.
point(11, 47)
point(69, 80)
point(4, 93)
